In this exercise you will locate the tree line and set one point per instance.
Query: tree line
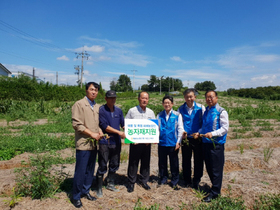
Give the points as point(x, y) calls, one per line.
point(269, 92)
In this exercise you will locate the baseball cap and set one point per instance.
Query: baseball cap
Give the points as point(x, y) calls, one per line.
point(111, 94)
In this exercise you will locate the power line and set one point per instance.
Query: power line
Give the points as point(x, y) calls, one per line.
point(28, 37)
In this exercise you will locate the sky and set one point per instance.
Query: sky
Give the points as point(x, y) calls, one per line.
point(235, 44)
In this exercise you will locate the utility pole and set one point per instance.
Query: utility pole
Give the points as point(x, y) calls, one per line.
point(172, 84)
point(83, 54)
point(133, 77)
point(33, 73)
point(56, 78)
point(77, 68)
point(169, 84)
point(160, 85)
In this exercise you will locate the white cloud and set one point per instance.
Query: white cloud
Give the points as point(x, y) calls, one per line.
point(93, 48)
point(267, 58)
point(119, 52)
point(176, 58)
point(63, 58)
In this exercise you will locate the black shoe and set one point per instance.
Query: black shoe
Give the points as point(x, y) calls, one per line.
point(160, 183)
point(195, 186)
point(130, 188)
point(145, 186)
point(174, 186)
point(99, 180)
point(77, 203)
point(89, 197)
point(187, 185)
point(209, 198)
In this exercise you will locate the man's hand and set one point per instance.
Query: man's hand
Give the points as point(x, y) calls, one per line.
point(96, 136)
point(208, 135)
point(177, 146)
point(122, 135)
point(184, 135)
point(195, 135)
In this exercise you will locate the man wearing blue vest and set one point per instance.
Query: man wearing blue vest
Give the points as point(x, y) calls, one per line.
point(171, 131)
point(192, 113)
point(214, 132)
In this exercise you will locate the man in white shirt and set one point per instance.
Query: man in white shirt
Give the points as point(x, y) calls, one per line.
point(139, 152)
point(214, 132)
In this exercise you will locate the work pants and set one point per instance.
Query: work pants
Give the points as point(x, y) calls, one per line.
point(84, 169)
point(163, 152)
point(214, 161)
point(108, 153)
point(194, 147)
point(139, 152)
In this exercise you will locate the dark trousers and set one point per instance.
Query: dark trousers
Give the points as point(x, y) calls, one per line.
point(84, 169)
point(163, 152)
point(214, 161)
point(111, 154)
point(194, 147)
point(139, 152)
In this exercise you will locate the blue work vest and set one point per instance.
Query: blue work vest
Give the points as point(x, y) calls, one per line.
point(211, 122)
point(193, 122)
point(168, 129)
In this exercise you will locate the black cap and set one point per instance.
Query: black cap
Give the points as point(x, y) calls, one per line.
point(111, 94)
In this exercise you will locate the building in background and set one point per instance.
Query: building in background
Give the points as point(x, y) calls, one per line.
point(4, 71)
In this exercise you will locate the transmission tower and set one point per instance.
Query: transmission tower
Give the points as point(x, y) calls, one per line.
point(133, 77)
point(83, 54)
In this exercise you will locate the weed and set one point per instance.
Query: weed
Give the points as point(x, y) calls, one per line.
point(267, 202)
point(267, 152)
point(199, 194)
point(15, 198)
point(139, 206)
point(266, 128)
point(225, 203)
point(124, 156)
point(241, 148)
point(257, 134)
point(265, 183)
point(39, 180)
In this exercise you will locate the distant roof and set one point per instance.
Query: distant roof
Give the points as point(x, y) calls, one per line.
point(4, 68)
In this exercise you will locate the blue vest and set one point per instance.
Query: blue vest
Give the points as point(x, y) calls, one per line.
point(211, 122)
point(168, 130)
point(193, 122)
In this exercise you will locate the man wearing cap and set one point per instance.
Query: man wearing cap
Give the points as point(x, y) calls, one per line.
point(139, 152)
point(85, 121)
point(110, 120)
point(192, 114)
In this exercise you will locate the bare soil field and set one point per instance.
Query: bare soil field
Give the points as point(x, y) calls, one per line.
point(246, 174)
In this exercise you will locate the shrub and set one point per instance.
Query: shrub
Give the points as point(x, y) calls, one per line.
point(38, 179)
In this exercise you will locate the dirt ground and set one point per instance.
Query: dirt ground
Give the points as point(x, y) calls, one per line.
point(246, 175)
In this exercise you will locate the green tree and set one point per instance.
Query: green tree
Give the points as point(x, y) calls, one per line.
point(123, 84)
point(206, 85)
point(153, 83)
point(101, 90)
point(145, 87)
point(113, 85)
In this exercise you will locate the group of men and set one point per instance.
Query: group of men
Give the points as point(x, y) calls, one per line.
point(202, 133)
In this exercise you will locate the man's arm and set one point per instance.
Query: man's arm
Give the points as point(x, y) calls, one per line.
point(181, 132)
point(224, 126)
point(109, 129)
point(78, 122)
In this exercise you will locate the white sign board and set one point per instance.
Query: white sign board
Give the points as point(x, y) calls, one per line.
point(141, 131)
